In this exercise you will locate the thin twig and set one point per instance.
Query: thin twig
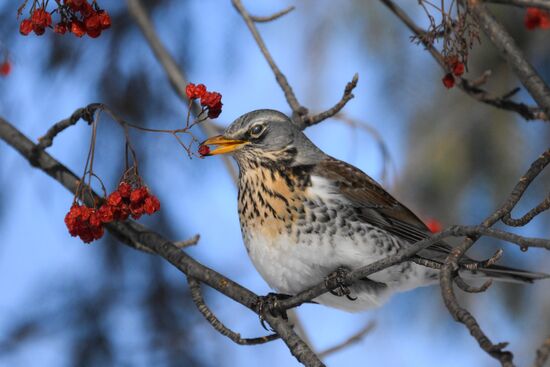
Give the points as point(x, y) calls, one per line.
point(354, 339)
point(543, 206)
point(196, 295)
point(272, 17)
point(298, 111)
point(86, 114)
point(346, 97)
point(189, 242)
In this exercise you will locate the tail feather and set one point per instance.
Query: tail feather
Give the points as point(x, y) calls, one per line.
point(505, 274)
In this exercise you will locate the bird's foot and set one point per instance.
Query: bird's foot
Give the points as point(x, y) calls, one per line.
point(337, 283)
point(269, 304)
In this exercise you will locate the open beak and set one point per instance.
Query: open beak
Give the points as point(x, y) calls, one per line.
point(223, 144)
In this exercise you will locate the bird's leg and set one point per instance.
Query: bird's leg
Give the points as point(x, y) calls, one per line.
point(270, 304)
point(337, 283)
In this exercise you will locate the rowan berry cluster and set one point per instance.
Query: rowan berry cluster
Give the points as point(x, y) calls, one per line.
point(212, 101)
point(87, 222)
point(76, 16)
point(456, 68)
point(537, 18)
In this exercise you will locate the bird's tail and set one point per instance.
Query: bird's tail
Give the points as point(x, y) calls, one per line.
point(510, 275)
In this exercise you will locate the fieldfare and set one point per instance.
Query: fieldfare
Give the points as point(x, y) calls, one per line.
point(304, 214)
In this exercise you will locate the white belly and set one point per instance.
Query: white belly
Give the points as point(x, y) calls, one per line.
point(290, 267)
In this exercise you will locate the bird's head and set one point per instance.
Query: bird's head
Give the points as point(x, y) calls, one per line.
point(264, 135)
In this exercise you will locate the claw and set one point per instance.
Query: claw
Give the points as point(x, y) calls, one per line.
point(336, 281)
point(270, 304)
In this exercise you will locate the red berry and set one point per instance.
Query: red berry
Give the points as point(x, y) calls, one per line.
point(5, 68)
point(448, 81)
point(536, 18)
point(60, 28)
point(215, 112)
point(138, 195)
point(124, 189)
point(25, 27)
point(77, 28)
point(211, 99)
point(104, 19)
point(195, 91)
point(114, 199)
point(92, 22)
point(106, 213)
point(151, 204)
point(41, 18)
point(433, 225)
point(458, 69)
point(204, 150)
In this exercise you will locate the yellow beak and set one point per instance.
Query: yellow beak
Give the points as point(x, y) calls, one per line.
point(224, 145)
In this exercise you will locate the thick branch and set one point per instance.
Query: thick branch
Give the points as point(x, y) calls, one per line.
point(137, 236)
point(528, 76)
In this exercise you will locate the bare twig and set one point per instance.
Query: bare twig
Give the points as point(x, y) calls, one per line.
point(298, 111)
point(459, 313)
point(472, 89)
point(542, 4)
point(543, 206)
point(354, 339)
point(508, 49)
point(141, 238)
point(190, 242)
point(346, 97)
point(86, 114)
point(272, 17)
point(196, 295)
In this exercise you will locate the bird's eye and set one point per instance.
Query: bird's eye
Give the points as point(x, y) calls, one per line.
point(256, 130)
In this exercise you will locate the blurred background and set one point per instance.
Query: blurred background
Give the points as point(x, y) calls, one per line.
point(64, 303)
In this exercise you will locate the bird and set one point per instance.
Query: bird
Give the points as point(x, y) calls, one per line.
point(305, 216)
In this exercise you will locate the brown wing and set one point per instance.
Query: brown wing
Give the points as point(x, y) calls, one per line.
point(377, 206)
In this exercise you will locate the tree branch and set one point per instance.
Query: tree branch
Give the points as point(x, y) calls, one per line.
point(471, 88)
point(139, 237)
point(196, 295)
point(299, 113)
point(272, 17)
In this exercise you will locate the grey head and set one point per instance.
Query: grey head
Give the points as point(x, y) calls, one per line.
point(266, 136)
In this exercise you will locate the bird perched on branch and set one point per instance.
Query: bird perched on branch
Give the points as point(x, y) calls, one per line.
point(305, 216)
